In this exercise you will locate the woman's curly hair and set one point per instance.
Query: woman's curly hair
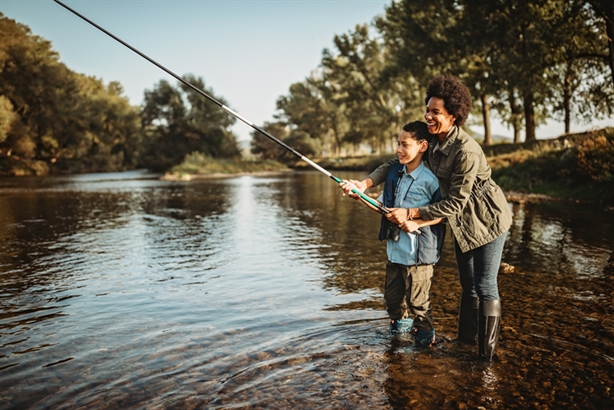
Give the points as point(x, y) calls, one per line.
point(455, 95)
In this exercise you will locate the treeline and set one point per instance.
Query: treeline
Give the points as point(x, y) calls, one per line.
point(55, 120)
point(524, 60)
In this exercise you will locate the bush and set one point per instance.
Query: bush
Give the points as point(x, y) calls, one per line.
point(197, 163)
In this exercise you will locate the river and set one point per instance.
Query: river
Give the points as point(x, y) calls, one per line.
point(126, 291)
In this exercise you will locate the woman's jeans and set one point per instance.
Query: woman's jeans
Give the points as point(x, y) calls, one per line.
point(478, 269)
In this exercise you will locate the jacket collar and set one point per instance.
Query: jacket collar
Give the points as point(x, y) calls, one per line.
point(448, 142)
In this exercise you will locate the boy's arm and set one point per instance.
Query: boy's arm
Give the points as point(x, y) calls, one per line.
point(362, 186)
point(375, 178)
point(348, 185)
point(373, 208)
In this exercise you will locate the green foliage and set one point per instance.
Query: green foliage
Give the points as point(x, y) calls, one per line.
point(576, 166)
point(55, 120)
point(579, 166)
point(178, 121)
point(528, 61)
point(197, 163)
point(266, 148)
point(595, 158)
point(301, 141)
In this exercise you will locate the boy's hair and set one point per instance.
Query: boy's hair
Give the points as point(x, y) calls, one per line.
point(418, 130)
point(455, 95)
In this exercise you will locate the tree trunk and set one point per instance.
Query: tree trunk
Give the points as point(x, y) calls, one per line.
point(567, 93)
point(337, 140)
point(516, 110)
point(609, 25)
point(605, 8)
point(517, 127)
point(529, 117)
point(486, 118)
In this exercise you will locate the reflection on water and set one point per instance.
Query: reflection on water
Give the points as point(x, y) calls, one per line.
point(123, 291)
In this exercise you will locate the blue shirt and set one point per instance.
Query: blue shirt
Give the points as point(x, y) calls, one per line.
point(414, 190)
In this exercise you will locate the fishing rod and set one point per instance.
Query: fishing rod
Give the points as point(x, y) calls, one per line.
point(370, 201)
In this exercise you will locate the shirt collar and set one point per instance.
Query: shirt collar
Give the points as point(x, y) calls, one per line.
point(415, 173)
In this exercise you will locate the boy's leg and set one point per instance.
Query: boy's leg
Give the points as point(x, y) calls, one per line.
point(418, 296)
point(394, 291)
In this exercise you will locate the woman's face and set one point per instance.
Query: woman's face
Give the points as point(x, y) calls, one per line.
point(438, 119)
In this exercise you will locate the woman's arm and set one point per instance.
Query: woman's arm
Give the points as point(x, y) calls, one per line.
point(415, 224)
point(379, 175)
point(464, 175)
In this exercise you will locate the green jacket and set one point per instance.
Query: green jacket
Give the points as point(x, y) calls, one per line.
point(473, 203)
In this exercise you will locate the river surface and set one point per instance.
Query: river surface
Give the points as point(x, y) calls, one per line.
point(125, 291)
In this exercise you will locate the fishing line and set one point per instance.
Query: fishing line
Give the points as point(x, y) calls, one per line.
point(362, 196)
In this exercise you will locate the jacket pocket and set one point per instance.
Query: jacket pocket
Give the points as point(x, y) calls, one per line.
point(444, 172)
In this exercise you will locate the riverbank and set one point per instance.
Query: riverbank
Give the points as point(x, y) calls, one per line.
point(574, 167)
point(199, 166)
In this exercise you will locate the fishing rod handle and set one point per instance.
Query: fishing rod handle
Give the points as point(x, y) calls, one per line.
point(382, 209)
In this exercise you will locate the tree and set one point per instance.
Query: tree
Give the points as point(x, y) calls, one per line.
point(305, 109)
point(57, 117)
point(179, 121)
point(604, 9)
point(427, 38)
point(265, 147)
point(355, 68)
point(579, 77)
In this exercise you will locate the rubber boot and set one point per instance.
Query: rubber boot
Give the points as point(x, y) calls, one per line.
point(468, 318)
point(424, 338)
point(489, 325)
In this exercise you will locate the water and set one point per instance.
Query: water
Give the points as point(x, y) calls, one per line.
point(124, 291)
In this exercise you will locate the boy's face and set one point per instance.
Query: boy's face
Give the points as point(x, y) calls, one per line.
point(410, 150)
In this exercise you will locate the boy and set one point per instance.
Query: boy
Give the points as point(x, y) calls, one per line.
point(411, 255)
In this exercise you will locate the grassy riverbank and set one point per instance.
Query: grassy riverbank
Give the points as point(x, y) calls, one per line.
point(197, 165)
point(576, 167)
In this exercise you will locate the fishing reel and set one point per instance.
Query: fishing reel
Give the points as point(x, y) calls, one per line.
point(393, 232)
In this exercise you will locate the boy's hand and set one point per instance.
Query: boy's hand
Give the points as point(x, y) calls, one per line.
point(347, 186)
point(397, 215)
point(409, 226)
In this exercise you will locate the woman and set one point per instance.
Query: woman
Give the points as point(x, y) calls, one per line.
point(474, 205)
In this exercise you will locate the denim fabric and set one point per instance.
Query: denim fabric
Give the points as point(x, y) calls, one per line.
point(474, 204)
point(400, 192)
point(478, 268)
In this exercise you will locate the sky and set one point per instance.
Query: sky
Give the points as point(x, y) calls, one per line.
point(248, 52)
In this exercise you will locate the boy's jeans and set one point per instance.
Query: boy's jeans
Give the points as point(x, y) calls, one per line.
point(478, 269)
point(413, 282)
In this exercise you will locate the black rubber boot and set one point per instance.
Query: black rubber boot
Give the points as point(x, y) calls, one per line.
point(489, 325)
point(468, 318)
